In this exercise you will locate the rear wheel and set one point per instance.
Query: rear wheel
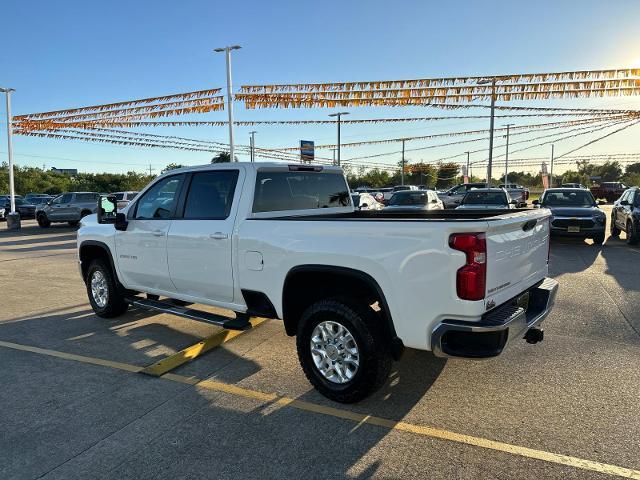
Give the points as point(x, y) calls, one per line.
point(43, 221)
point(342, 350)
point(105, 297)
point(632, 234)
point(73, 223)
point(615, 231)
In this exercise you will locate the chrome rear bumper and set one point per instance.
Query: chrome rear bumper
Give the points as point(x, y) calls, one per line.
point(489, 336)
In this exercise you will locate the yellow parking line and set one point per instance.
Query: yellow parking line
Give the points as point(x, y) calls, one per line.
point(358, 418)
point(72, 356)
point(173, 361)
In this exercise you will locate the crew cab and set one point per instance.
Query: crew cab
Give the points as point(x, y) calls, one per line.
point(355, 287)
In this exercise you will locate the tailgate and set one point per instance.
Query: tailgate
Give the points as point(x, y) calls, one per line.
point(517, 253)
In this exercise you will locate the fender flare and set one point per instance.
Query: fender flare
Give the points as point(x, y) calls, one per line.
point(396, 343)
point(101, 245)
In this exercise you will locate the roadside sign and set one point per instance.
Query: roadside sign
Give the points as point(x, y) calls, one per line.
point(307, 151)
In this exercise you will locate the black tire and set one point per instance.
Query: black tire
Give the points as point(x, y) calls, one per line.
point(632, 234)
point(73, 223)
point(599, 240)
point(374, 350)
point(615, 231)
point(43, 221)
point(84, 213)
point(114, 305)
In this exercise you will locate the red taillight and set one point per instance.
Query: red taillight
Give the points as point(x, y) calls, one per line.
point(471, 279)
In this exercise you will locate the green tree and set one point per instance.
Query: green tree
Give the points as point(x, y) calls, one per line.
point(172, 166)
point(633, 168)
point(222, 157)
point(447, 174)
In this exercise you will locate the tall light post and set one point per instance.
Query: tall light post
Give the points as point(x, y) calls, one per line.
point(12, 190)
point(403, 163)
point(227, 50)
point(492, 81)
point(339, 115)
point(551, 169)
point(506, 157)
point(252, 144)
point(334, 155)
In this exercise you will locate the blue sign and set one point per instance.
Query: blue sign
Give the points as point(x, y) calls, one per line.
point(307, 151)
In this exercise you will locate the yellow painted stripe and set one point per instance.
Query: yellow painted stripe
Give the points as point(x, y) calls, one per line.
point(72, 356)
point(357, 418)
point(179, 358)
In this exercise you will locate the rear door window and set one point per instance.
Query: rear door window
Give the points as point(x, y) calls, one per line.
point(211, 195)
point(278, 191)
point(85, 197)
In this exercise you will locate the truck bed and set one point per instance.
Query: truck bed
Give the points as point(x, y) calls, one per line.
point(442, 215)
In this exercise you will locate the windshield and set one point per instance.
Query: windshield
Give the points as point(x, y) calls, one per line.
point(20, 201)
point(573, 198)
point(485, 198)
point(409, 198)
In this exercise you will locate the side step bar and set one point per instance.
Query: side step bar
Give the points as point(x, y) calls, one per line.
point(241, 322)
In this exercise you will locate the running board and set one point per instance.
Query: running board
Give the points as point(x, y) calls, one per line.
point(241, 322)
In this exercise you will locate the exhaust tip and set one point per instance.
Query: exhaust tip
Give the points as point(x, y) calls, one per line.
point(534, 335)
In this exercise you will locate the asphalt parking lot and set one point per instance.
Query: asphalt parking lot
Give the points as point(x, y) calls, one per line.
point(74, 405)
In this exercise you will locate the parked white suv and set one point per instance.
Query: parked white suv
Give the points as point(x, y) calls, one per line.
point(355, 287)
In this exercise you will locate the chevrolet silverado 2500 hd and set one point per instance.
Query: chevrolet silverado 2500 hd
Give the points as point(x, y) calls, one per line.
point(355, 287)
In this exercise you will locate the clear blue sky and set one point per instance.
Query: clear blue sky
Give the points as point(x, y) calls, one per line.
point(73, 53)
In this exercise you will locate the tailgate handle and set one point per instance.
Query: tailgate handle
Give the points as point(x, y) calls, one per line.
point(529, 225)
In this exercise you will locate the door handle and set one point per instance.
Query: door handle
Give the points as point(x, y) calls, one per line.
point(218, 236)
point(158, 233)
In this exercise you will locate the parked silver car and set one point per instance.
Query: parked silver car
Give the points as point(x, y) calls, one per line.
point(487, 199)
point(414, 200)
point(69, 207)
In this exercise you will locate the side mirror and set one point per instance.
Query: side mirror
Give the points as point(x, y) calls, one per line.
point(602, 202)
point(536, 202)
point(107, 208)
point(624, 202)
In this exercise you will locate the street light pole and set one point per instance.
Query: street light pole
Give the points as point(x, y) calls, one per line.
point(227, 50)
point(402, 173)
point(506, 157)
point(12, 191)
point(339, 115)
point(551, 169)
point(493, 108)
point(253, 145)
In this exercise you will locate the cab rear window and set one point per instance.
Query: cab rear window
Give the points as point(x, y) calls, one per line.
point(278, 191)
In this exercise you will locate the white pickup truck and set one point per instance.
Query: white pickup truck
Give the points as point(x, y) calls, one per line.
point(355, 287)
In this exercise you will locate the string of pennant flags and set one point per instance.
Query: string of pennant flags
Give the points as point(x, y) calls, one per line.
point(98, 123)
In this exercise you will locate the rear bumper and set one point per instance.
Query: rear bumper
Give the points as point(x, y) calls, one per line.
point(489, 336)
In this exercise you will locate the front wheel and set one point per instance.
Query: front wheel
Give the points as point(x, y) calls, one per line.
point(105, 297)
point(632, 234)
point(342, 350)
point(615, 231)
point(43, 221)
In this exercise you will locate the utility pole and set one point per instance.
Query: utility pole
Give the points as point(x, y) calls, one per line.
point(339, 115)
point(506, 158)
point(252, 144)
point(13, 223)
point(333, 150)
point(150, 170)
point(227, 50)
point(402, 172)
point(551, 169)
point(493, 108)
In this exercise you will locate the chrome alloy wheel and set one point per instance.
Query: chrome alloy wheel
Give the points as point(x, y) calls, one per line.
point(335, 352)
point(99, 289)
